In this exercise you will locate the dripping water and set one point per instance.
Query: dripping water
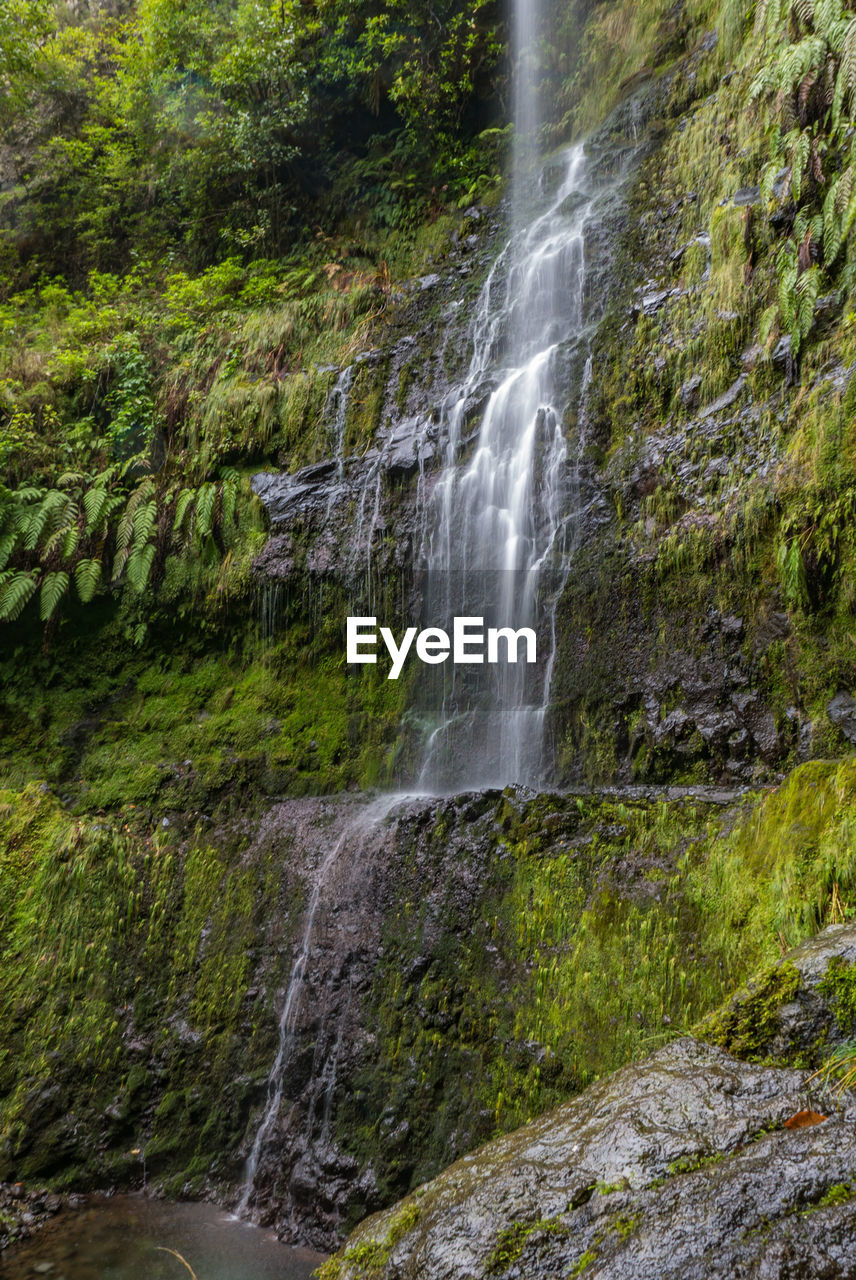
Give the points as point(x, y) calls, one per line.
point(351, 842)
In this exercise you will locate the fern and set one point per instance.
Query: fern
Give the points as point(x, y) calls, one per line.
point(95, 505)
point(87, 576)
point(70, 541)
point(845, 81)
point(205, 509)
point(182, 506)
point(228, 500)
point(792, 572)
point(7, 546)
point(140, 566)
point(54, 587)
point(145, 519)
point(16, 593)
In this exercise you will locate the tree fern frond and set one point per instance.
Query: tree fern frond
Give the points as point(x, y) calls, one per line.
point(845, 80)
point(105, 477)
point(803, 10)
point(145, 519)
point(205, 509)
point(33, 526)
point(120, 560)
point(29, 494)
point(140, 566)
point(7, 546)
point(768, 15)
point(832, 238)
point(94, 504)
point(143, 493)
point(848, 217)
point(54, 587)
point(185, 499)
point(799, 161)
point(87, 576)
point(72, 537)
point(15, 595)
point(228, 499)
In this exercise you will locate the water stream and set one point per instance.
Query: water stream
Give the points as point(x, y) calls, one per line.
point(342, 859)
point(497, 534)
point(500, 521)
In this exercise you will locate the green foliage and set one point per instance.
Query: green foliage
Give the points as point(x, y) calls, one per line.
point(839, 1067)
point(367, 1258)
point(133, 932)
point(746, 1026)
point(203, 130)
point(839, 986)
point(48, 535)
point(808, 70)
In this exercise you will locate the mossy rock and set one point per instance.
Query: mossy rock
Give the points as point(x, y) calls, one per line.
point(793, 1012)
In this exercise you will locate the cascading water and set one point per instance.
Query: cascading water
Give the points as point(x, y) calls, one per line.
point(500, 523)
point(341, 859)
point(499, 520)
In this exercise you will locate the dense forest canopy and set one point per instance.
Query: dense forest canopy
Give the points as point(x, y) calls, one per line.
point(202, 130)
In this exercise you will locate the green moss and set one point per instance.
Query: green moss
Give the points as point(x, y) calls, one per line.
point(121, 921)
point(512, 1240)
point(601, 929)
point(841, 1193)
point(626, 1224)
point(583, 1263)
point(367, 1259)
point(747, 1024)
point(838, 984)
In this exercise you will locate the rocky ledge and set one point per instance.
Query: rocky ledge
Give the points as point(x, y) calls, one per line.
point(692, 1163)
point(23, 1213)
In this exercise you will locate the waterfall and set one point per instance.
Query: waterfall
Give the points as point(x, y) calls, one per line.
point(495, 529)
point(499, 523)
point(341, 858)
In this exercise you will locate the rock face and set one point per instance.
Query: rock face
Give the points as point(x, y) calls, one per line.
point(799, 1009)
point(359, 520)
point(677, 1166)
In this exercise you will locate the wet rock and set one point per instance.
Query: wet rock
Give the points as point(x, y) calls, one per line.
point(783, 354)
point(676, 724)
point(747, 196)
point(842, 712)
point(690, 392)
point(717, 726)
point(651, 302)
point(24, 1212)
point(678, 1166)
point(799, 1009)
point(751, 356)
point(727, 399)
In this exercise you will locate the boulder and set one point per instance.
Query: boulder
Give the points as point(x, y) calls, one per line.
point(681, 1165)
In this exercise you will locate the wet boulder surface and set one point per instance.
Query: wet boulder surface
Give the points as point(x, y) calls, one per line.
point(798, 1010)
point(681, 1165)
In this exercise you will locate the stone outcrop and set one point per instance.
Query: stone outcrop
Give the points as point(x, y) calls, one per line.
point(683, 1165)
